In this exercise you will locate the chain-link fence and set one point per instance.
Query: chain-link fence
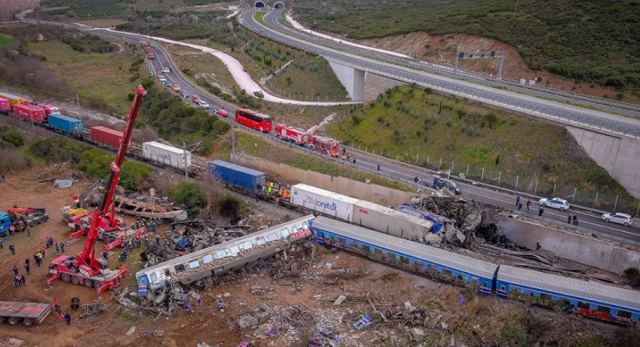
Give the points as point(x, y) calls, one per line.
point(601, 199)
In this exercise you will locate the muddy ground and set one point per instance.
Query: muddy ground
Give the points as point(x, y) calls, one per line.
point(299, 292)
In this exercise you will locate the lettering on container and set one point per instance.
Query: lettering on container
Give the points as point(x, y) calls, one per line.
point(320, 204)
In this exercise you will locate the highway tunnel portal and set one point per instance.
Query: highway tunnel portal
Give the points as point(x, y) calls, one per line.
point(279, 5)
point(259, 4)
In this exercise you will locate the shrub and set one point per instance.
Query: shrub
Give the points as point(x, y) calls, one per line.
point(190, 195)
point(10, 136)
point(230, 207)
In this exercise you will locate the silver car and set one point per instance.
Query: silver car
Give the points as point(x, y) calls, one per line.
point(557, 203)
point(618, 218)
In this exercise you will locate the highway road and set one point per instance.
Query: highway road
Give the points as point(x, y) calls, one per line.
point(588, 222)
point(602, 104)
point(547, 109)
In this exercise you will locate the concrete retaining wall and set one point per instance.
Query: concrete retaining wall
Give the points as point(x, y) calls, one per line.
point(620, 156)
point(375, 85)
point(360, 190)
point(583, 249)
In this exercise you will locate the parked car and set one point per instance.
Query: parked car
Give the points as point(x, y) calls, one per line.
point(222, 113)
point(557, 203)
point(439, 183)
point(618, 218)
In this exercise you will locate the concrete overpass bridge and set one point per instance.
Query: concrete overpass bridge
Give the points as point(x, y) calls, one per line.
point(611, 140)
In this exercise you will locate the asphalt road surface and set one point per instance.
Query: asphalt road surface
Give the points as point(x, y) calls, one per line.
point(551, 110)
point(588, 222)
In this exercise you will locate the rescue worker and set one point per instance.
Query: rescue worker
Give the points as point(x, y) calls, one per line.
point(67, 317)
point(61, 247)
point(1, 242)
point(15, 270)
point(27, 266)
point(528, 205)
point(12, 249)
point(517, 200)
point(540, 211)
point(57, 248)
point(575, 220)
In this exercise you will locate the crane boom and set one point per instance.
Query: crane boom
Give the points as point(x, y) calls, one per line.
point(87, 255)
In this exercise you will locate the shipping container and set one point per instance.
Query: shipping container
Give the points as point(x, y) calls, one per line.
point(238, 176)
point(167, 155)
point(389, 221)
point(323, 201)
point(13, 99)
point(65, 124)
point(106, 136)
point(5, 106)
point(29, 113)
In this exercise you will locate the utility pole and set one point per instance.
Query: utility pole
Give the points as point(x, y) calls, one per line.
point(193, 148)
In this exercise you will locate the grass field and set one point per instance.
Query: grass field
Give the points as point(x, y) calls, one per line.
point(583, 40)
point(103, 80)
point(410, 124)
point(5, 40)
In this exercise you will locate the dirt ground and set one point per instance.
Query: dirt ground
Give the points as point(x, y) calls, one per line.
point(9, 7)
point(299, 291)
point(442, 49)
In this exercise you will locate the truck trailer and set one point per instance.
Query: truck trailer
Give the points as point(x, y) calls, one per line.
point(28, 312)
point(105, 136)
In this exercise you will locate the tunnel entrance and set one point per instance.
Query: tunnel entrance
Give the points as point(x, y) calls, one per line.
point(279, 5)
point(259, 4)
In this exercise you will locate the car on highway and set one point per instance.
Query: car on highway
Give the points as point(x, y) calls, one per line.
point(203, 104)
point(162, 79)
point(185, 95)
point(175, 87)
point(222, 113)
point(166, 70)
point(440, 183)
point(618, 218)
point(557, 203)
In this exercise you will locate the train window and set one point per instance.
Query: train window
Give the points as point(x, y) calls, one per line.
point(234, 250)
point(179, 268)
point(545, 297)
point(220, 254)
point(207, 259)
point(194, 264)
point(624, 314)
point(460, 277)
point(284, 232)
point(154, 278)
point(404, 260)
point(260, 241)
point(447, 272)
point(582, 304)
point(248, 245)
point(474, 281)
point(366, 248)
point(604, 309)
point(341, 241)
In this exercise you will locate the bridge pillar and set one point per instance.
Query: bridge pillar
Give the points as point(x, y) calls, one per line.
point(352, 79)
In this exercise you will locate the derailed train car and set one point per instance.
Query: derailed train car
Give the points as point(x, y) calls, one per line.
point(588, 298)
point(360, 212)
point(221, 258)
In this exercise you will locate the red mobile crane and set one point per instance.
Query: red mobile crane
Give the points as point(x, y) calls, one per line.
point(84, 268)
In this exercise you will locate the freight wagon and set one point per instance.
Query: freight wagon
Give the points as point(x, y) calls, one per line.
point(167, 155)
point(28, 312)
point(323, 201)
point(13, 99)
point(106, 136)
point(360, 212)
point(389, 221)
point(240, 177)
point(5, 106)
point(48, 108)
point(65, 124)
point(29, 113)
point(223, 257)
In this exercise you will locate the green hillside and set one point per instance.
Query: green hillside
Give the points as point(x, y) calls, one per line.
point(585, 40)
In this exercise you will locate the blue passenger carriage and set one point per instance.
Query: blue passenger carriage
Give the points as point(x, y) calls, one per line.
point(588, 298)
point(404, 254)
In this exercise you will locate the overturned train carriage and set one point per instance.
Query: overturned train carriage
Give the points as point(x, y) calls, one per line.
point(587, 298)
point(223, 257)
point(408, 255)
